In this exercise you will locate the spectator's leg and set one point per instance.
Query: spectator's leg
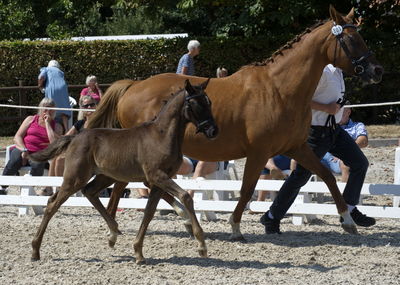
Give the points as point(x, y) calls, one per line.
point(263, 194)
point(59, 165)
point(37, 168)
point(52, 168)
point(64, 119)
point(186, 167)
point(203, 168)
point(14, 164)
point(143, 192)
point(345, 171)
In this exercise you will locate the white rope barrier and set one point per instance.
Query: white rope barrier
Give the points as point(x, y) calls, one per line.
point(372, 104)
point(92, 110)
point(47, 108)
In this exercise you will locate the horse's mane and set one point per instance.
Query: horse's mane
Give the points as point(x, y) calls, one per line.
point(288, 45)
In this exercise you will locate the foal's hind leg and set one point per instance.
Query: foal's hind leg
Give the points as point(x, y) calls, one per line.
point(169, 186)
point(55, 201)
point(116, 194)
point(91, 192)
point(306, 157)
point(149, 211)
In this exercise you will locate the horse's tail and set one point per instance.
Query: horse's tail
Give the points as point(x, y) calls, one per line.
point(106, 112)
point(54, 149)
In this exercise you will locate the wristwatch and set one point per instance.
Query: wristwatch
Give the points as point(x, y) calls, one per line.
point(25, 150)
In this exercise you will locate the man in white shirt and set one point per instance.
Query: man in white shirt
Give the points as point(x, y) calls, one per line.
point(325, 135)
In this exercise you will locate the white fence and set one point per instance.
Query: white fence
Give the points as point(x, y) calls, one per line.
point(303, 205)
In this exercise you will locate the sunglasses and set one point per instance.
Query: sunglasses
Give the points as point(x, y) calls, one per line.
point(91, 105)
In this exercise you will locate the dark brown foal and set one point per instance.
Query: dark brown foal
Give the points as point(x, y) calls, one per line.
point(150, 153)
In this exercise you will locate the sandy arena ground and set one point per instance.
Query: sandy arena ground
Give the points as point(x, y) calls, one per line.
point(75, 249)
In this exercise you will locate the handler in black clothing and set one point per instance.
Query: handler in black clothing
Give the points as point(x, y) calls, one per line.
point(325, 135)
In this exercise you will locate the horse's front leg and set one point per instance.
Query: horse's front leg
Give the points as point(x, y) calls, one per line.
point(253, 167)
point(306, 157)
point(151, 206)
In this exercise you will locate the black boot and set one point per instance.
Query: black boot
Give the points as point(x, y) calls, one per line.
point(272, 226)
point(360, 219)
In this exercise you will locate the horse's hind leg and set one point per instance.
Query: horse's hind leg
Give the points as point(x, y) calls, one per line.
point(306, 157)
point(169, 186)
point(91, 192)
point(116, 194)
point(149, 211)
point(53, 204)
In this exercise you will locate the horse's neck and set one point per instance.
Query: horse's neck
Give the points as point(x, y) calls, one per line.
point(296, 74)
point(170, 121)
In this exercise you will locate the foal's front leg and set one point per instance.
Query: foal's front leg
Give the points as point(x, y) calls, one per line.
point(151, 206)
point(169, 186)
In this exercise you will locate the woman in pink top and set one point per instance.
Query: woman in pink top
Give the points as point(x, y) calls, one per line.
point(93, 90)
point(34, 134)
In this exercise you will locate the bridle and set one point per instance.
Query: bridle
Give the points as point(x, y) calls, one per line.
point(200, 126)
point(360, 64)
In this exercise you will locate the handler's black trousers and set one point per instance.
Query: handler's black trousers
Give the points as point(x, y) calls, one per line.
point(323, 140)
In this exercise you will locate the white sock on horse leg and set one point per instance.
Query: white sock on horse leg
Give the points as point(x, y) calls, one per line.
point(350, 208)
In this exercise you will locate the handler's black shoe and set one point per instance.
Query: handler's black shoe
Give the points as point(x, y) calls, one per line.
point(272, 226)
point(3, 191)
point(360, 219)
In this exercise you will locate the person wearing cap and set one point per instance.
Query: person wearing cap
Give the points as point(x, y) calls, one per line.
point(358, 132)
point(325, 135)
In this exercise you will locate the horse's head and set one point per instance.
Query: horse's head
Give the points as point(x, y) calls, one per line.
point(198, 109)
point(348, 51)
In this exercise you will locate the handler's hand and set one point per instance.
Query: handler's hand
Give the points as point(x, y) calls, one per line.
point(332, 108)
point(24, 156)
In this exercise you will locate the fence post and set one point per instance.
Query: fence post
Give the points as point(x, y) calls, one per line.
point(396, 199)
point(22, 100)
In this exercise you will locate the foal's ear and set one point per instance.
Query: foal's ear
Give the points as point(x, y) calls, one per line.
point(204, 84)
point(335, 16)
point(188, 87)
point(350, 15)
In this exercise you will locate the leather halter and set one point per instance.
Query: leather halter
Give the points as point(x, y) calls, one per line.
point(360, 64)
point(200, 126)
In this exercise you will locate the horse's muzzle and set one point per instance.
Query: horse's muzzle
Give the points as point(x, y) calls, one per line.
point(211, 132)
point(373, 74)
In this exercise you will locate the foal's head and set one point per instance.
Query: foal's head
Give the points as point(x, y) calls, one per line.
point(348, 51)
point(197, 109)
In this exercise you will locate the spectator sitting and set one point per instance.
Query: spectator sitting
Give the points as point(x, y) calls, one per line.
point(274, 169)
point(358, 133)
point(222, 72)
point(93, 89)
point(51, 81)
point(186, 63)
point(34, 134)
point(85, 102)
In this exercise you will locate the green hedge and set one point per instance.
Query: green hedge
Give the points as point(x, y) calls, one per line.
point(114, 60)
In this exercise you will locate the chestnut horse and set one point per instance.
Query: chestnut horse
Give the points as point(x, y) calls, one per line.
point(150, 153)
point(262, 110)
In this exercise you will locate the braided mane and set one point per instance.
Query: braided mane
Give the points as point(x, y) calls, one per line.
point(288, 45)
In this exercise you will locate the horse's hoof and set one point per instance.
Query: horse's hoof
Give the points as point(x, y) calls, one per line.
point(203, 252)
point(350, 228)
point(141, 261)
point(33, 259)
point(189, 229)
point(237, 237)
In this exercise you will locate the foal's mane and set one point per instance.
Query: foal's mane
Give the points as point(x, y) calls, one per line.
point(288, 45)
point(165, 102)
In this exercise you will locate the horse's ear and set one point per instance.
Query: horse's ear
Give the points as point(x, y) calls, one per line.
point(188, 87)
point(335, 16)
point(204, 84)
point(350, 15)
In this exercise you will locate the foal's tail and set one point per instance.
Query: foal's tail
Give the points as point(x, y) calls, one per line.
point(54, 149)
point(106, 113)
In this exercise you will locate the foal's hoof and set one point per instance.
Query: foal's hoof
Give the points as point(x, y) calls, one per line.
point(111, 243)
point(203, 252)
point(33, 259)
point(237, 237)
point(350, 228)
point(141, 261)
